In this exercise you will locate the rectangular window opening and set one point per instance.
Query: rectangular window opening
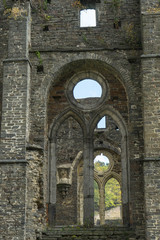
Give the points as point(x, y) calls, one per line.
point(88, 18)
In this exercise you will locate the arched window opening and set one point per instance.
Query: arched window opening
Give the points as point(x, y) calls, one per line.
point(87, 88)
point(69, 142)
point(103, 151)
point(101, 163)
point(113, 202)
point(88, 18)
point(96, 204)
point(107, 131)
point(102, 123)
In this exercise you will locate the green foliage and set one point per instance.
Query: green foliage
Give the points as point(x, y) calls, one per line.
point(41, 7)
point(155, 9)
point(15, 12)
point(39, 57)
point(45, 4)
point(130, 35)
point(4, 3)
point(77, 4)
point(96, 196)
point(112, 194)
point(100, 166)
point(85, 38)
point(116, 3)
point(116, 8)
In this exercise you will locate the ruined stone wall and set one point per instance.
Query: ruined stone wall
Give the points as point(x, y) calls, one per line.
point(63, 30)
point(54, 61)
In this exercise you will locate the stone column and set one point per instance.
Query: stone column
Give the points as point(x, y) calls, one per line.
point(151, 115)
point(52, 184)
point(14, 128)
point(88, 186)
point(102, 205)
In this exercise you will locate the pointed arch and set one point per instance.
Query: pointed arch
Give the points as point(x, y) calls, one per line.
point(52, 155)
point(97, 179)
point(116, 116)
point(61, 118)
point(112, 113)
point(110, 175)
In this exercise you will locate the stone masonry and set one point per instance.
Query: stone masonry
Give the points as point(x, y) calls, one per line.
point(49, 139)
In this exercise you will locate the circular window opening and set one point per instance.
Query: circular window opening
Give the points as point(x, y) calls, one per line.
point(101, 163)
point(87, 88)
point(87, 91)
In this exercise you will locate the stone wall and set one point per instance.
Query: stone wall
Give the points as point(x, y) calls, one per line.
point(60, 49)
point(4, 27)
point(35, 199)
point(150, 74)
point(16, 75)
point(64, 31)
point(12, 201)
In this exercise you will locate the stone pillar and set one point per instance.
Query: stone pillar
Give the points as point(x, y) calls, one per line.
point(151, 115)
point(52, 184)
point(102, 205)
point(88, 186)
point(16, 78)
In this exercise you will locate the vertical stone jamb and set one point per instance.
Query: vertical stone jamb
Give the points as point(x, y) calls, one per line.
point(125, 181)
point(88, 185)
point(102, 205)
point(16, 78)
point(52, 183)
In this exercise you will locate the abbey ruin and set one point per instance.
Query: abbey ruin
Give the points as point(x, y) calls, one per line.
point(50, 138)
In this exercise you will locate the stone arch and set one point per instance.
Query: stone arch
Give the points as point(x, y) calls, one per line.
point(89, 74)
point(110, 175)
point(107, 154)
point(79, 63)
point(61, 118)
point(113, 176)
point(124, 154)
point(115, 63)
point(52, 156)
point(109, 146)
point(112, 113)
point(96, 178)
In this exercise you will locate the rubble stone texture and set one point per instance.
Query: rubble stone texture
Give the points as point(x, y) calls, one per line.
point(49, 139)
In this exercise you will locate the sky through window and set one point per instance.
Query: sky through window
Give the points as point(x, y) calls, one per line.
point(88, 18)
point(87, 88)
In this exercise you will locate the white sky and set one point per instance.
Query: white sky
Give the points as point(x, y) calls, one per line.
point(88, 18)
point(87, 88)
point(102, 123)
point(101, 158)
